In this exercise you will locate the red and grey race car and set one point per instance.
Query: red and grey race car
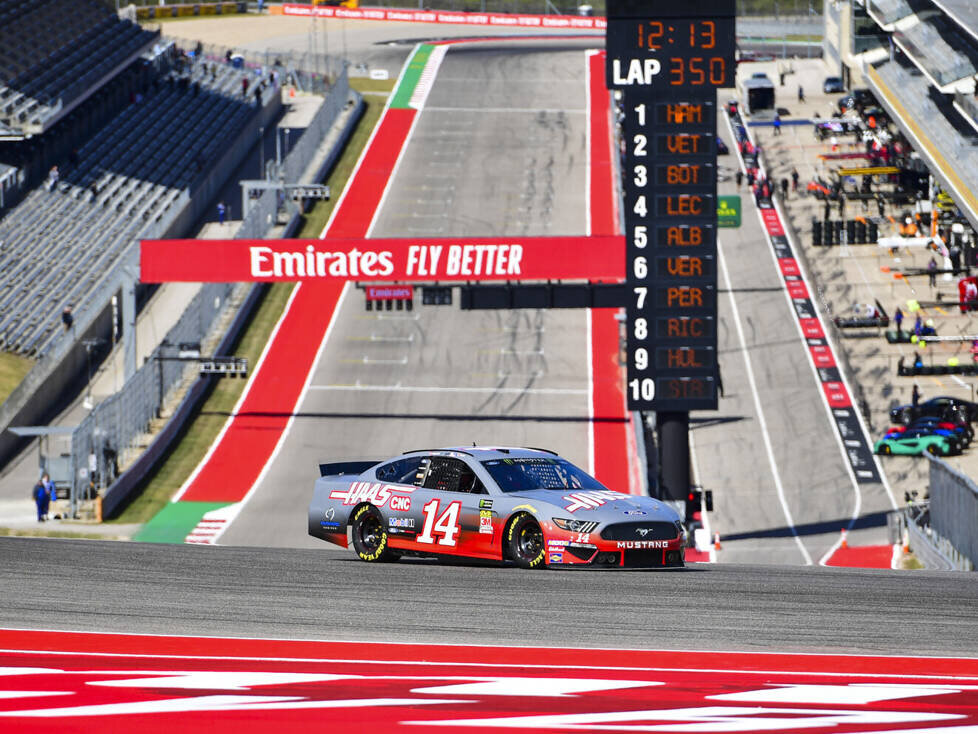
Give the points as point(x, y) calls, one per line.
point(528, 506)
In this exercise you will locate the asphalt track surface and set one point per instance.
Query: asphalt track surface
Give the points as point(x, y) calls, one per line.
point(290, 593)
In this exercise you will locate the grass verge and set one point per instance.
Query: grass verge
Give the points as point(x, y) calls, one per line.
point(30, 533)
point(13, 369)
point(203, 428)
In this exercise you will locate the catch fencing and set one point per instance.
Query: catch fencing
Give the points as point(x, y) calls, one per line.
point(263, 211)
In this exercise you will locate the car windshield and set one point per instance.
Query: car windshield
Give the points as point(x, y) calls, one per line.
point(517, 475)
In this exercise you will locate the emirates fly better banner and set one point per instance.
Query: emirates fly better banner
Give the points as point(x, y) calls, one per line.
point(384, 260)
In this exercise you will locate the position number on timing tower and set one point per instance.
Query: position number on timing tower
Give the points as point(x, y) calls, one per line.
point(668, 63)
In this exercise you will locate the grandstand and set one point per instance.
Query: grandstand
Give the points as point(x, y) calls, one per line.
point(108, 134)
point(63, 238)
point(939, 50)
point(53, 54)
point(920, 60)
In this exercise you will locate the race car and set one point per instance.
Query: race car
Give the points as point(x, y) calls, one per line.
point(962, 431)
point(955, 442)
point(528, 506)
point(947, 408)
point(914, 446)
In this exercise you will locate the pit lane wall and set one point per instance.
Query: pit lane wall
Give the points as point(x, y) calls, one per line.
point(402, 15)
point(954, 508)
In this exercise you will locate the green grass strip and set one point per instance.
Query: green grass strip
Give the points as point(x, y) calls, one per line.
point(411, 77)
point(175, 521)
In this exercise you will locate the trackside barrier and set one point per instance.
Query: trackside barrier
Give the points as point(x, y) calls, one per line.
point(404, 15)
point(148, 12)
point(954, 512)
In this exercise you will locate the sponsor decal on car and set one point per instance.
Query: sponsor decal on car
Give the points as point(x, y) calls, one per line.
point(400, 503)
point(642, 544)
point(556, 558)
point(485, 522)
point(485, 504)
point(591, 499)
point(376, 493)
point(636, 512)
point(557, 543)
point(330, 524)
point(401, 522)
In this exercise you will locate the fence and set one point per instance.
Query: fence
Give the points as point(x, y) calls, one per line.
point(109, 430)
point(263, 211)
point(954, 509)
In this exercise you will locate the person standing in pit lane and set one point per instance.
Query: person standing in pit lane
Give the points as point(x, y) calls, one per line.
point(41, 500)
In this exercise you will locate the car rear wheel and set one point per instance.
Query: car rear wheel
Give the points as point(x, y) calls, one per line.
point(370, 535)
point(525, 542)
point(933, 449)
point(885, 449)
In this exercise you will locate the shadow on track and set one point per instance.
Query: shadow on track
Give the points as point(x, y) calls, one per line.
point(872, 520)
point(422, 416)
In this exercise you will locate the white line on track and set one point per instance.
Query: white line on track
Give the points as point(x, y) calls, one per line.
point(237, 406)
point(833, 347)
point(437, 388)
point(298, 403)
point(587, 230)
point(765, 434)
point(506, 110)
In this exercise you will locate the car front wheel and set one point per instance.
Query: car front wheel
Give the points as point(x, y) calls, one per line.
point(525, 542)
point(370, 535)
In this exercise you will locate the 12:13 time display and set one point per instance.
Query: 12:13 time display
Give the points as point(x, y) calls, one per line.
point(693, 34)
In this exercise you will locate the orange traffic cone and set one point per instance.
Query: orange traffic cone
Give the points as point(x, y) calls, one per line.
point(845, 543)
point(716, 542)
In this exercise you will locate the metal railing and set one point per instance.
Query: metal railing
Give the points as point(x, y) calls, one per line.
point(954, 511)
point(106, 435)
point(263, 211)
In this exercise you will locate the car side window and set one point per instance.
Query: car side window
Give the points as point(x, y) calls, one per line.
point(402, 471)
point(452, 475)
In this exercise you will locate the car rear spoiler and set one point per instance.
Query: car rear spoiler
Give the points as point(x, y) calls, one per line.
point(339, 468)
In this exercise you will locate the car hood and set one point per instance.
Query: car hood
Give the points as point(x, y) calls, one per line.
point(600, 505)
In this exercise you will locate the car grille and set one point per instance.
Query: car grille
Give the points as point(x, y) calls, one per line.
point(649, 530)
point(652, 558)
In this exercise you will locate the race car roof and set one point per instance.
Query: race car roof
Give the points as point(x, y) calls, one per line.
point(486, 453)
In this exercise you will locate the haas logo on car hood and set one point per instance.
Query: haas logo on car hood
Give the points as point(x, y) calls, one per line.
point(591, 499)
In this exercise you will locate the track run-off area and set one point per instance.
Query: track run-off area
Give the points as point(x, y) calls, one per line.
point(157, 684)
point(270, 628)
